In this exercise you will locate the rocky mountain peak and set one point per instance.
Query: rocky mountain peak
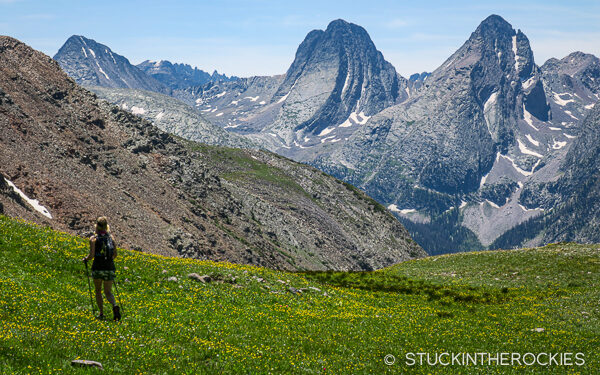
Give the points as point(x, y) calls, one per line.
point(336, 73)
point(94, 64)
point(496, 25)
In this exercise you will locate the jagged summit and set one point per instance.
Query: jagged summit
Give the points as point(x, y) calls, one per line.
point(494, 21)
point(94, 64)
point(178, 76)
point(336, 73)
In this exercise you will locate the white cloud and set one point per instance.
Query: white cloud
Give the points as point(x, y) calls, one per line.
point(396, 23)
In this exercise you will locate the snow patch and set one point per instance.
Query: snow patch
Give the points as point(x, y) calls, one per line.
point(252, 99)
point(514, 48)
point(327, 138)
point(491, 101)
point(235, 102)
point(283, 98)
point(326, 131)
point(463, 204)
point(490, 203)
point(526, 151)
point(394, 208)
point(516, 167)
point(569, 136)
point(34, 203)
point(306, 139)
point(214, 110)
point(84, 53)
point(560, 101)
point(219, 114)
point(355, 118)
point(346, 83)
point(533, 141)
point(262, 102)
point(571, 114)
point(102, 71)
point(124, 106)
point(552, 128)
point(590, 106)
point(299, 145)
point(527, 84)
point(528, 119)
point(483, 179)
point(137, 110)
point(223, 94)
point(558, 145)
point(530, 209)
point(92, 52)
point(160, 115)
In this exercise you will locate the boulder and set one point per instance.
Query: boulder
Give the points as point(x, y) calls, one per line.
point(86, 363)
point(204, 278)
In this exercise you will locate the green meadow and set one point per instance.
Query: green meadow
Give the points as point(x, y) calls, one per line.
point(251, 320)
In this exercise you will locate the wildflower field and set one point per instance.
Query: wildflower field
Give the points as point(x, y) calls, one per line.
point(251, 320)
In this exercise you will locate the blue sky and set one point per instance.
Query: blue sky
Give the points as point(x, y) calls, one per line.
point(260, 37)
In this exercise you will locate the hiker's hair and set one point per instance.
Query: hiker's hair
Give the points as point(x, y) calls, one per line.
point(102, 225)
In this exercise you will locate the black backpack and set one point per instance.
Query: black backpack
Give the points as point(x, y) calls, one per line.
point(105, 246)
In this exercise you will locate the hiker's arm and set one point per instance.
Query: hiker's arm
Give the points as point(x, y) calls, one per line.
point(115, 245)
point(92, 250)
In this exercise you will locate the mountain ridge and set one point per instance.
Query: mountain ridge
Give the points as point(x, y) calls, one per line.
point(82, 158)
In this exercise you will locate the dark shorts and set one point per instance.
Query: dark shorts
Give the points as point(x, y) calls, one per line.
point(103, 275)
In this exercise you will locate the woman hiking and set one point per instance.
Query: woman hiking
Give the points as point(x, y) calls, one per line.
point(103, 251)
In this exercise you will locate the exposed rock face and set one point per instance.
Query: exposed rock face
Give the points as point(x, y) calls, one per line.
point(236, 105)
point(171, 115)
point(336, 82)
point(337, 72)
point(574, 197)
point(482, 125)
point(82, 158)
point(180, 76)
point(93, 64)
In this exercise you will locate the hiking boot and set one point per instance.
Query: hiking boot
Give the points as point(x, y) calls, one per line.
point(116, 313)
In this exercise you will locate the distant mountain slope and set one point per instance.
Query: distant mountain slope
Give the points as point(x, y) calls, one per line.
point(171, 115)
point(456, 156)
point(180, 76)
point(572, 201)
point(77, 158)
point(337, 81)
point(93, 64)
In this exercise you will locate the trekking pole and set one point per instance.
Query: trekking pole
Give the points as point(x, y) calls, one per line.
point(87, 273)
point(118, 296)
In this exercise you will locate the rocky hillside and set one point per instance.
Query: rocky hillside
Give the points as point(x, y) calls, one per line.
point(93, 64)
point(171, 115)
point(66, 158)
point(180, 76)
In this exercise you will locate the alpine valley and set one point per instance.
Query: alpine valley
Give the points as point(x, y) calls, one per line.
point(67, 157)
point(489, 150)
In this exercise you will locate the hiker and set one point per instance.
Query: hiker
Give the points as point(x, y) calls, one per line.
point(103, 251)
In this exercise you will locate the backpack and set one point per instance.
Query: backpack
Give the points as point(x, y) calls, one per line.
point(105, 246)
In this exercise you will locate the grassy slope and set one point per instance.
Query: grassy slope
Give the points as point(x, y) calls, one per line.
point(447, 303)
